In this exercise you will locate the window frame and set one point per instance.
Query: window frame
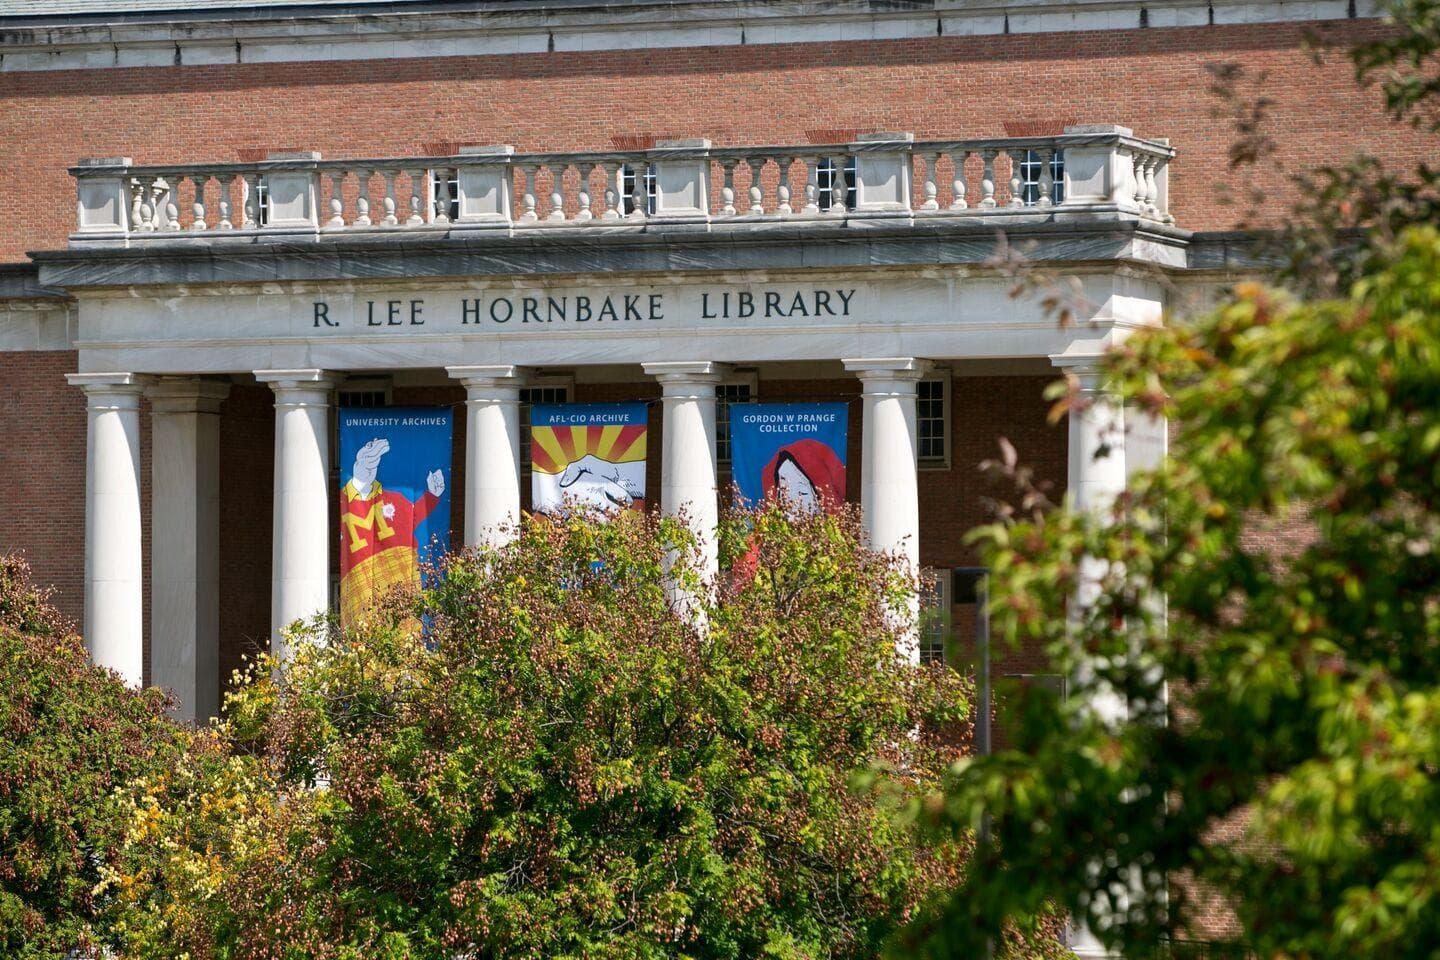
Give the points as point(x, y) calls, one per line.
point(937, 614)
point(736, 378)
point(943, 377)
point(548, 381)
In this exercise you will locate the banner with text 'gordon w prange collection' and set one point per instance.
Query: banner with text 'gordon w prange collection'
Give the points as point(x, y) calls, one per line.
point(394, 509)
point(794, 452)
point(588, 455)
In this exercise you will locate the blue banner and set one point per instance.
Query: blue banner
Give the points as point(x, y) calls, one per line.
point(794, 452)
point(394, 499)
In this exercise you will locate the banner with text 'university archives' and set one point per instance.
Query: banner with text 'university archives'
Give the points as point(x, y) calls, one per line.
point(394, 509)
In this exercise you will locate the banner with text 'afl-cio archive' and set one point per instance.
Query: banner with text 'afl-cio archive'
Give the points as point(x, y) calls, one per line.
point(588, 455)
point(394, 509)
point(792, 452)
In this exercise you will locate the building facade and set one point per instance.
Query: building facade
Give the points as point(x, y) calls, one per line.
point(220, 224)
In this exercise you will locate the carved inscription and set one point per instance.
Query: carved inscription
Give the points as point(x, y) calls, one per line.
point(599, 308)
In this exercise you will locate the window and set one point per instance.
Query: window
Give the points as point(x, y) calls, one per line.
point(936, 598)
point(627, 189)
point(262, 201)
point(363, 398)
point(825, 177)
point(932, 422)
point(726, 395)
point(1030, 169)
point(543, 390)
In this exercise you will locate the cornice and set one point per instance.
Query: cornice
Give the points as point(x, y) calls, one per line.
point(359, 31)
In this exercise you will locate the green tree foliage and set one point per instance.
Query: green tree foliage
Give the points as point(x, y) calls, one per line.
point(560, 765)
point(1304, 672)
point(72, 734)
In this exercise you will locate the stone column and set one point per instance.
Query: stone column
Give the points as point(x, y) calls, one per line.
point(889, 485)
point(1095, 475)
point(492, 452)
point(300, 555)
point(687, 456)
point(185, 542)
point(114, 565)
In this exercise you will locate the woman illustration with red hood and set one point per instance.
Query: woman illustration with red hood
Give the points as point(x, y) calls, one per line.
point(805, 476)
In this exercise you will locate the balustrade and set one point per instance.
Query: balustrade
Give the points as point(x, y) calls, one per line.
point(1083, 171)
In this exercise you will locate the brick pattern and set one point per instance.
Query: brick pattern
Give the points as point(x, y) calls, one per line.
point(1152, 80)
point(42, 472)
point(247, 483)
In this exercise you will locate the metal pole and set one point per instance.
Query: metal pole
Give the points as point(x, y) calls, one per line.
point(982, 662)
point(982, 722)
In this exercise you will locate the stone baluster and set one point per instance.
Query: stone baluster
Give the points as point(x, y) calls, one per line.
point(727, 192)
point(337, 200)
point(137, 198)
point(837, 186)
point(362, 201)
point(197, 209)
point(1140, 191)
point(782, 189)
point(612, 193)
point(249, 203)
point(145, 206)
point(557, 191)
point(987, 180)
point(527, 199)
point(1017, 182)
point(159, 194)
point(227, 187)
point(582, 199)
point(417, 188)
point(757, 191)
point(812, 186)
point(172, 203)
point(638, 194)
point(1152, 189)
point(389, 203)
point(957, 180)
point(440, 179)
point(930, 171)
point(1047, 178)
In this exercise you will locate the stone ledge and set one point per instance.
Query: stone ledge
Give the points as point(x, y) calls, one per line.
point(924, 243)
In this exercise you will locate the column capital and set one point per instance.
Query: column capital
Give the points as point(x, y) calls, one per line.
point(302, 387)
point(678, 378)
point(109, 391)
point(899, 374)
point(186, 395)
point(1084, 367)
point(490, 375)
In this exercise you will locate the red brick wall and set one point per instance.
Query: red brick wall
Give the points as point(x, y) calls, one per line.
point(42, 472)
point(247, 480)
point(1152, 80)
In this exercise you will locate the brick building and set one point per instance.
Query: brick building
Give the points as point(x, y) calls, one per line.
point(206, 209)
